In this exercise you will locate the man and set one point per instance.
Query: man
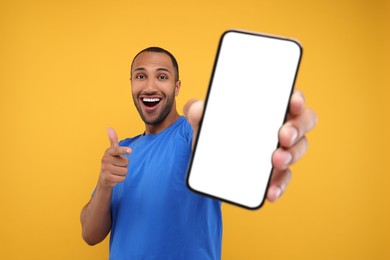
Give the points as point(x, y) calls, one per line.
point(141, 195)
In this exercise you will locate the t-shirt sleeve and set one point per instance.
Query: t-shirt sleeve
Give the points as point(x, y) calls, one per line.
point(187, 132)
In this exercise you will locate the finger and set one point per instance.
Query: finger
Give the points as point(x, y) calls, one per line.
point(113, 137)
point(298, 150)
point(120, 161)
point(116, 170)
point(278, 184)
point(283, 158)
point(118, 178)
point(294, 129)
point(297, 103)
point(119, 150)
point(113, 179)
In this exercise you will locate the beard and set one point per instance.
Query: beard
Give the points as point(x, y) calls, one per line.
point(161, 116)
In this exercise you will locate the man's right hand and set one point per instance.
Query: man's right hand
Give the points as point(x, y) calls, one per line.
point(96, 215)
point(114, 165)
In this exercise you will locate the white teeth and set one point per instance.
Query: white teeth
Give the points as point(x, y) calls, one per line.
point(151, 99)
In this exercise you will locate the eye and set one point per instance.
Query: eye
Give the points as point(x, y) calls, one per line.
point(140, 76)
point(162, 77)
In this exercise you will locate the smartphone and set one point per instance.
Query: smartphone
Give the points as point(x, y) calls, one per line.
point(247, 102)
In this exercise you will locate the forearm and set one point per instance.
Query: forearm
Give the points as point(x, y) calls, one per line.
point(96, 216)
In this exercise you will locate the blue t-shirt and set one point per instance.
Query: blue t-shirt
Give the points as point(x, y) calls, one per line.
point(154, 214)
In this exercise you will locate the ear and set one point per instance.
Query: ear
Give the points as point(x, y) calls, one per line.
point(177, 87)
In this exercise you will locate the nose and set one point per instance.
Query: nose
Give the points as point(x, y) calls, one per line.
point(150, 86)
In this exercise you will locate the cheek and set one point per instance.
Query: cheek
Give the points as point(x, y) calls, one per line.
point(134, 94)
point(136, 88)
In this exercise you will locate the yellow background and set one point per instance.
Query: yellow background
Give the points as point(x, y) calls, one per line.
point(64, 78)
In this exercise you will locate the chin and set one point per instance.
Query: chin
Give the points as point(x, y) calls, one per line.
point(153, 120)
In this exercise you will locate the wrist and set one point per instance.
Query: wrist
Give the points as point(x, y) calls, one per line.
point(103, 188)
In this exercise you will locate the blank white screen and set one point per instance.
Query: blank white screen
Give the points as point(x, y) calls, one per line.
point(246, 105)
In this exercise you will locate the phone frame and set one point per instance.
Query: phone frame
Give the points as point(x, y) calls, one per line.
point(205, 109)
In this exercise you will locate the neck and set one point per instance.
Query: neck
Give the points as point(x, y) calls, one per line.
point(157, 128)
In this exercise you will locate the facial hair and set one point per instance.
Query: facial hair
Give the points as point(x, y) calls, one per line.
point(163, 114)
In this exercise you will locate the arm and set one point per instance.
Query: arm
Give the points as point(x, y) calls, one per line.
point(292, 139)
point(96, 215)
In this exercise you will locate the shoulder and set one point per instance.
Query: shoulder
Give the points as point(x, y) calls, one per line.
point(184, 124)
point(180, 129)
point(128, 141)
point(184, 129)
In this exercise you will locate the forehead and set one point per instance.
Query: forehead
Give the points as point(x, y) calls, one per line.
point(153, 60)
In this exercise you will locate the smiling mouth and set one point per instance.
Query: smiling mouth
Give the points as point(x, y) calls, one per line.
point(150, 102)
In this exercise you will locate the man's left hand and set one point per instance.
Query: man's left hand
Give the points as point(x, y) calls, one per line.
point(293, 144)
point(292, 139)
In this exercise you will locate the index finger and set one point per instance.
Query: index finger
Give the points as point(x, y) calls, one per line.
point(119, 150)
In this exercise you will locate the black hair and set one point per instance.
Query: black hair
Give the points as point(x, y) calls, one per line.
point(159, 50)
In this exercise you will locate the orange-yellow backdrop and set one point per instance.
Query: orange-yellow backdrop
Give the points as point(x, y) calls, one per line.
point(64, 79)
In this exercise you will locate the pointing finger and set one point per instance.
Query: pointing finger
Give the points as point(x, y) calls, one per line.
point(119, 150)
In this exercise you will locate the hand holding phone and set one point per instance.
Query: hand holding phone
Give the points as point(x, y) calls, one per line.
point(246, 103)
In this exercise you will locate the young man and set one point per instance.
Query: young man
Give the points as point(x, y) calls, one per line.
point(141, 195)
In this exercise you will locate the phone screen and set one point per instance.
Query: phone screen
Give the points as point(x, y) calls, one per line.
point(246, 104)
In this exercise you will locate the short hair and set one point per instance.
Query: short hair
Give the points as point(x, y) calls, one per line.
point(159, 50)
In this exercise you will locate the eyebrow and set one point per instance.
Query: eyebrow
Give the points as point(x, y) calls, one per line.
point(159, 69)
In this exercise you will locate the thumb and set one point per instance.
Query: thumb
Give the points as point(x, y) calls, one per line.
point(113, 137)
point(193, 110)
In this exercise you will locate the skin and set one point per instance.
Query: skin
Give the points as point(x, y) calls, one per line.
point(153, 76)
